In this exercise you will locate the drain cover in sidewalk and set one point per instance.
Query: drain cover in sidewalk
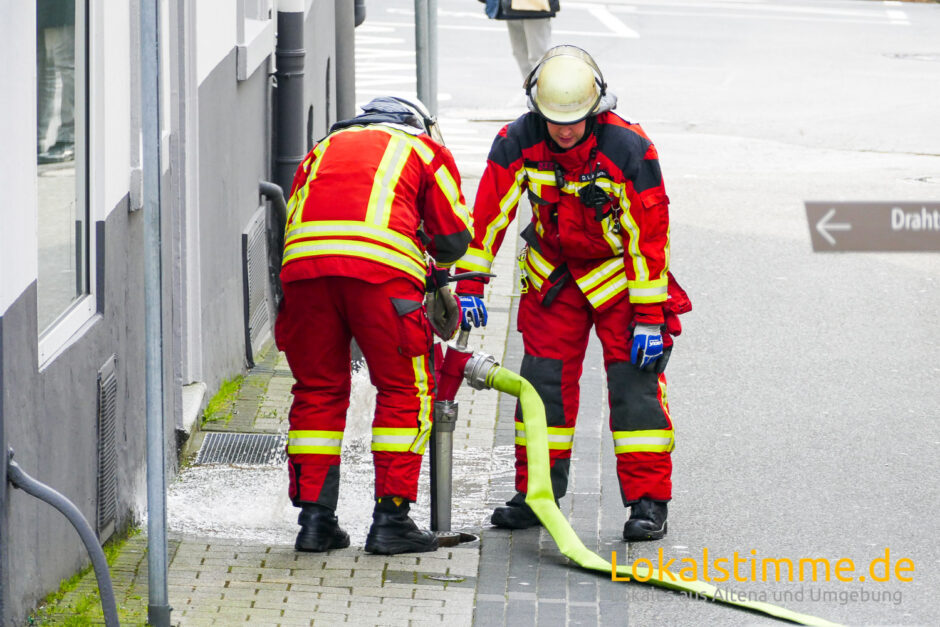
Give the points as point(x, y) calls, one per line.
point(250, 449)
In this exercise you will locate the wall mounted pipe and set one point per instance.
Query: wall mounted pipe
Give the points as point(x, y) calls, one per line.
point(21, 480)
point(290, 142)
point(277, 221)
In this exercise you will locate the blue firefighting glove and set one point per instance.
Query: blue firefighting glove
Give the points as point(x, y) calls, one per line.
point(647, 347)
point(474, 312)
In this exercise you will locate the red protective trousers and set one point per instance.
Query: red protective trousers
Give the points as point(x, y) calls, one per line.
point(318, 318)
point(555, 339)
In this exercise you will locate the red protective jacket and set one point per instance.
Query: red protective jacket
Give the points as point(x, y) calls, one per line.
point(621, 249)
point(369, 201)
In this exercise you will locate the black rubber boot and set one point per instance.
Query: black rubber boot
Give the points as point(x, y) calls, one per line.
point(647, 521)
point(319, 530)
point(517, 515)
point(394, 532)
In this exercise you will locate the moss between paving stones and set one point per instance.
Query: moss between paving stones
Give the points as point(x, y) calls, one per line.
point(219, 407)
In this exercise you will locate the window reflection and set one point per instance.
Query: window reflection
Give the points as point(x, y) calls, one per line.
point(63, 223)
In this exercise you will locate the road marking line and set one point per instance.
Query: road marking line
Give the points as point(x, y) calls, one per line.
point(608, 19)
point(497, 29)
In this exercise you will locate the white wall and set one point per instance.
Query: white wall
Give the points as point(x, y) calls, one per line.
point(18, 263)
point(111, 105)
point(216, 34)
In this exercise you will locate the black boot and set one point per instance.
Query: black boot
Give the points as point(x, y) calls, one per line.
point(647, 521)
point(517, 515)
point(319, 530)
point(394, 532)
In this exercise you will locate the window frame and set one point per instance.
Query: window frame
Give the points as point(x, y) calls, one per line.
point(66, 327)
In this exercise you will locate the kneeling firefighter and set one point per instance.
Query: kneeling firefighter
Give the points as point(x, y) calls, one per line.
point(596, 255)
point(368, 204)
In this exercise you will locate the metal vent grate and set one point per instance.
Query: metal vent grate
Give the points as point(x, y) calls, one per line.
point(255, 267)
point(247, 449)
point(107, 450)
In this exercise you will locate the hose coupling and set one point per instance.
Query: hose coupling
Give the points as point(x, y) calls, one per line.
point(445, 415)
point(478, 369)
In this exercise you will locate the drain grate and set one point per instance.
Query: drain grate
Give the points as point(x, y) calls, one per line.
point(247, 449)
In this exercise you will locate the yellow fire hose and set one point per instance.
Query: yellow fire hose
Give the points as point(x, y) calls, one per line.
point(541, 499)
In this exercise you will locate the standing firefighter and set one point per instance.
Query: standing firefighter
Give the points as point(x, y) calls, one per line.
point(367, 204)
point(597, 255)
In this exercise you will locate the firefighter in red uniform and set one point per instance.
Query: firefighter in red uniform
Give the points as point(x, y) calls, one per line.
point(597, 255)
point(372, 199)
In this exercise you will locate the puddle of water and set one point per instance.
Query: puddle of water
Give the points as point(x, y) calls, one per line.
point(250, 502)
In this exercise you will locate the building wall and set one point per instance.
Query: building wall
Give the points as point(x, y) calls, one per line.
point(232, 116)
point(48, 410)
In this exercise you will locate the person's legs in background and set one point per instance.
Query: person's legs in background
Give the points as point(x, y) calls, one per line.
point(57, 95)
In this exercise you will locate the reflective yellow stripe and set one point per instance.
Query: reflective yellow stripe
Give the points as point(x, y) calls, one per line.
point(648, 291)
point(559, 438)
point(475, 260)
point(362, 250)
point(298, 199)
point(314, 442)
point(632, 243)
point(537, 267)
point(542, 177)
point(342, 229)
point(613, 287)
point(410, 439)
point(663, 397)
point(602, 273)
point(604, 282)
point(506, 205)
point(648, 441)
point(386, 178)
point(393, 439)
point(426, 154)
point(447, 184)
point(612, 238)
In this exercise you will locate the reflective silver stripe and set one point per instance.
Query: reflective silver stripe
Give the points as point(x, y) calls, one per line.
point(648, 291)
point(315, 442)
point(642, 441)
point(405, 440)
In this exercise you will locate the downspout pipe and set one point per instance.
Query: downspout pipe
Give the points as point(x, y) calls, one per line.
point(345, 64)
point(290, 146)
point(18, 477)
point(158, 607)
point(360, 12)
point(277, 221)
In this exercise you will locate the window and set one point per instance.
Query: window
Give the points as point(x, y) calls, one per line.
point(63, 283)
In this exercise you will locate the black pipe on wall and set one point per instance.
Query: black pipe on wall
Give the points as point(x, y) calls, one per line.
point(290, 146)
point(360, 11)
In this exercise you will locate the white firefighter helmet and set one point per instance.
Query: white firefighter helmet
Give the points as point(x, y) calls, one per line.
point(565, 86)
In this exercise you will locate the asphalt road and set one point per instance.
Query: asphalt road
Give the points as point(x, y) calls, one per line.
point(806, 387)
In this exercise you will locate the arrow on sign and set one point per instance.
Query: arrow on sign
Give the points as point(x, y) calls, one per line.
point(824, 226)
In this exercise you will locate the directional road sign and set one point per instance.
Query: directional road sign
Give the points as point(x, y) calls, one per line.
point(874, 226)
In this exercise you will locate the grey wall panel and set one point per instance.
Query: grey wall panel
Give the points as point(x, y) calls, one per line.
point(49, 418)
point(232, 153)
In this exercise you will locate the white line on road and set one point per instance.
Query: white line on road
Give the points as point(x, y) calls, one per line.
point(501, 29)
point(608, 19)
